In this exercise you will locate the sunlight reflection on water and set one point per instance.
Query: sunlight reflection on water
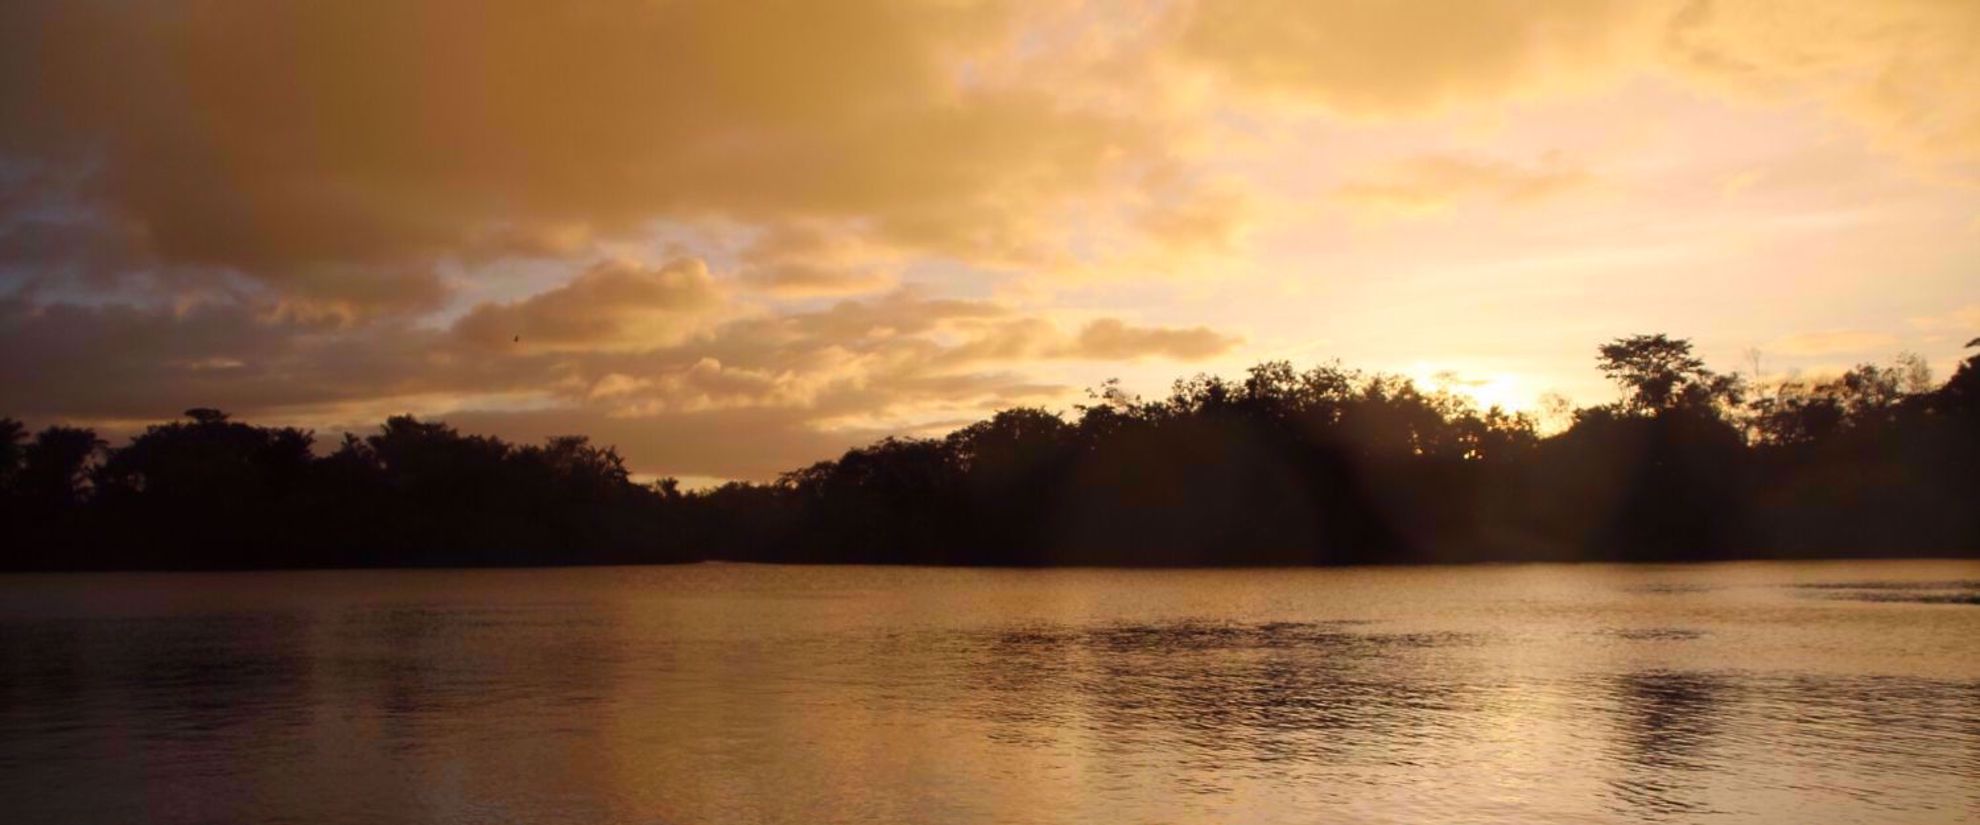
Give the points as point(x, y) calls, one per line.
point(1778, 692)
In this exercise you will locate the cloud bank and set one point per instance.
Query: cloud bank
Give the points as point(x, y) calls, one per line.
point(709, 229)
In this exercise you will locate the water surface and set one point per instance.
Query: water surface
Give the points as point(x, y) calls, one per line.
point(1742, 693)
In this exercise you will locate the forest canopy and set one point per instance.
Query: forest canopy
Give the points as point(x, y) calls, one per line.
point(1283, 466)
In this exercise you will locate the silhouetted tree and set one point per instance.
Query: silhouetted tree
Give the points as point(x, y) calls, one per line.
point(44, 503)
point(1961, 394)
point(12, 434)
point(224, 487)
point(1658, 373)
point(56, 467)
point(1322, 466)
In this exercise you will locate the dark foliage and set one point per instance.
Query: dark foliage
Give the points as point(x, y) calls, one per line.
point(1325, 466)
point(213, 493)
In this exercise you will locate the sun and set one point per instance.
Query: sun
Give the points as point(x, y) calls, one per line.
point(1508, 391)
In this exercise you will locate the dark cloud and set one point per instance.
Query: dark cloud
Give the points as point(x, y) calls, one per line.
point(287, 141)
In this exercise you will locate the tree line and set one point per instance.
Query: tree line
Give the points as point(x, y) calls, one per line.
point(1281, 467)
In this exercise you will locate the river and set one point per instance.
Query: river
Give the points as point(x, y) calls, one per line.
point(1775, 692)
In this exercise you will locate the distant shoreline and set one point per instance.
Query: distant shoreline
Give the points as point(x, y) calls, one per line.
point(1973, 556)
point(1324, 467)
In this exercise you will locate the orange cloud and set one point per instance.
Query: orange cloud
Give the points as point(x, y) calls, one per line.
point(1409, 56)
point(805, 259)
point(611, 305)
point(1110, 339)
point(1432, 182)
point(1902, 69)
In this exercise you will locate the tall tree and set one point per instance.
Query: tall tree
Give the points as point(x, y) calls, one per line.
point(1658, 373)
point(12, 433)
point(57, 463)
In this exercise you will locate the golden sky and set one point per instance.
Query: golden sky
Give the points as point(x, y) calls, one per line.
point(733, 238)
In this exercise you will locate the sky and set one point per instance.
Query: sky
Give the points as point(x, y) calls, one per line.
point(735, 238)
